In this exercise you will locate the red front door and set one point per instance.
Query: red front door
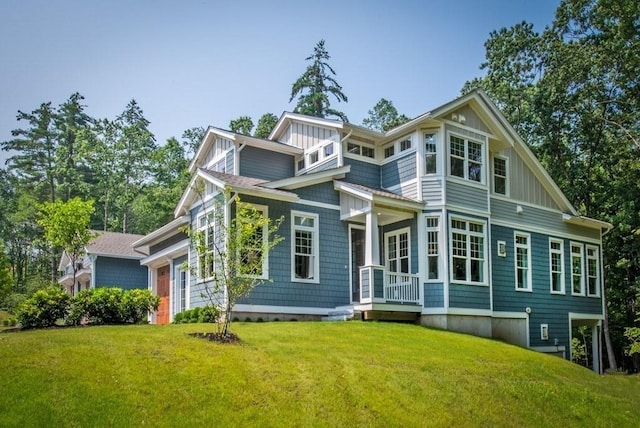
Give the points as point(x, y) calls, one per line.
point(163, 293)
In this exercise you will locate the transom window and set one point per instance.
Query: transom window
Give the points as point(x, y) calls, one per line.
point(398, 253)
point(361, 150)
point(468, 251)
point(398, 147)
point(405, 144)
point(577, 273)
point(305, 263)
point(433, 248)
point(593, 271)
point(500, 176)
point(556, 265)
point(523, 261)
point(430, 158)
point(466, 158)
point(389, 151)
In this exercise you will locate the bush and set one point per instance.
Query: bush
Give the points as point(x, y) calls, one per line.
point(136, 305)
point(13, 301)
point(206, 314)
point(102, 306)
point(44, 308)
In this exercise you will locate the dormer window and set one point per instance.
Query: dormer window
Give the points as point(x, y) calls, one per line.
point(361, 150)
point(389, 151)
point(328, 150)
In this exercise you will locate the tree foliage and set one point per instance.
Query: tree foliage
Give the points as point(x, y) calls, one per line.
point(384, 116)
point(231, 252)
point(316, 84)
point(572, 93)
point(242, 125)
point(265, 125)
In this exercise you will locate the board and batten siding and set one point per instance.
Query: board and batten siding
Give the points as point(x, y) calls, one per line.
point(265, 164)
point(467, 196)
point(306, 136)
point(472, 120)
point(124, 273)
point(220, 145)
point(364, 173)
point(537, 218)
point(523, 184)
point(546, 308)
point(398, 171)
point(432, 191)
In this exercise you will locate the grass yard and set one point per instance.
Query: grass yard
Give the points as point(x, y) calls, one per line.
point(297, 374)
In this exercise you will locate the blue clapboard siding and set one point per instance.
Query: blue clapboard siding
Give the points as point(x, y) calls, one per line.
point(546, 308)
point(123, 273)
point(537, 218)
point(265, 164)
point(334, 287)
point(180, 236)
point(467, 196)
point(398, 171)
point(469, 296)
point(433, 295)
point(230, 162)
point(323, 192)
point(364, 173)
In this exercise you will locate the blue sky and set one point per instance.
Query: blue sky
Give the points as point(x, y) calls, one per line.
point(200, 63)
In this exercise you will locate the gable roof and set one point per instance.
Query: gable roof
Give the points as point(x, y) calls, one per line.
point(109, 244)
point(287, 117)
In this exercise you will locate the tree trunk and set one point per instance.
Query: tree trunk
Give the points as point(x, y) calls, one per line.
point(611, 356)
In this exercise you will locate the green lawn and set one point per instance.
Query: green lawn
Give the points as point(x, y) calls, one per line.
point(297, 374)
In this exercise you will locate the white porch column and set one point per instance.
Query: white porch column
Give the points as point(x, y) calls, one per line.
point(372, 247)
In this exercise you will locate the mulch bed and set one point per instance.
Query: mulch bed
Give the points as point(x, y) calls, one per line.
point(217, 337)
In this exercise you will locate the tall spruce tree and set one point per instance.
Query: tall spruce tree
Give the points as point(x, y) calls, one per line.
point(316, 84)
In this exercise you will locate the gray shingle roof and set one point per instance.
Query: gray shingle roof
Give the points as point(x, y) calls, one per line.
point(380, 192)
point(246, 182)
point(114, 244)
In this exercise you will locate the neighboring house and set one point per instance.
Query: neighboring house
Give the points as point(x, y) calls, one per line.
point(109, 261)
point(448, 220)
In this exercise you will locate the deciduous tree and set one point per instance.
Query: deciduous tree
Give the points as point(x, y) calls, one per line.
point(265, 125)
point(384, 116)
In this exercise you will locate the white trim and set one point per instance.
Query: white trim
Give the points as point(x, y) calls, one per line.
point(302, 310)
point(562, 268)
point(582, 270)
point(467, 257)
point(441, 246)
point(507, 181)
point(543, 231)
point(397, 148)
point(292, 183)
point(160, 232)
point(506, 314)
point(318, 204)
point(434, 132)
point(173, 251)
point(550, 349)
point(598, 274)
point(117, 256)
point(585, 316)
point(544, 331)
point(359, 156)
point(527, 247)
point(315, 230)
point(397, 233)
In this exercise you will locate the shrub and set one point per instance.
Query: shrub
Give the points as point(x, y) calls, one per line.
point(206, 314)
point(136, 305)
point(44, 308)
point(13, 301)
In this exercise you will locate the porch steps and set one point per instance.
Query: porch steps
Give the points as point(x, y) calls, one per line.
point(340, 314)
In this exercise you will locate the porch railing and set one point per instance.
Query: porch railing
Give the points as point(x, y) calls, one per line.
point(401, 287)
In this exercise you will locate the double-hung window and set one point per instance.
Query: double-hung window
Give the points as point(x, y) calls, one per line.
point(304, 247)
point(523, 261)
point(500, 175)
point(433, 248)
point(466, 158)
point(430, 155)
point(556, 265)
point(468, 251)
point(398, 253)
point(593, 271)
point(577, 269)
point(206, 244)
point(254, 258)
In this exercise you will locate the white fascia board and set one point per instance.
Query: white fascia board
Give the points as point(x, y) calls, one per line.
point(119, 256)
point(161, 232)
point(586, 221)
point(207, 140)
point(341, 186)
point(294, 310)
point(271, 145)
point(308, 179)
point(287, 117)
point(185, 199)
point(589, 317)
point(179, 249)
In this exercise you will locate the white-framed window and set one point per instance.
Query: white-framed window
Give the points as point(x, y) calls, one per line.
point(398, 247)
point(315, 154)
point(255, 247)
point(207, 226)
point(430, 153)
point(433, 248)
point(361, 150)
point(313, 157)
point(466, 158)
point(522, 256)
point(468, 238)
point(593, 271)
point(556, 265)
point(328, 150)
point(398, 146)
point(500, 177)
point(577, 269)
point(305, 264)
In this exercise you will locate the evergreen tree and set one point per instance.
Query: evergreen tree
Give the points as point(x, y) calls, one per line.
point(316, 84)
point(384, 116)
point(265, 125)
